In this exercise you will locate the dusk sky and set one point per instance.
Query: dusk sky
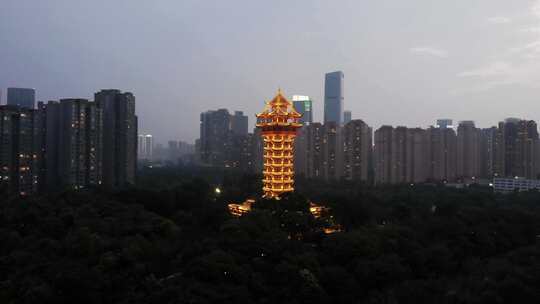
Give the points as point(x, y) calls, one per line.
point(405, 62)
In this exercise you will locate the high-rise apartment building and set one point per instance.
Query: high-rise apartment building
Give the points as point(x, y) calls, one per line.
point(444, 123)
point(304, 106)
point(22, 97)
point(149, 146)
point(417, 159)
point(347, 116)
point(442, 147)
point(357, 148)
point(72, 144)
point(382, 155)
point(517, 149)
point(145, 146)
point(225, 141)
point(239, 154)
point(119, 137)
point(239, 124)
point(308, 153)
point(468, 151)
point(215, 132)
point(333, 98)
point(257, 150)
point(400, 155)
point(19, 149)
point(332, 151)
point(488, 154)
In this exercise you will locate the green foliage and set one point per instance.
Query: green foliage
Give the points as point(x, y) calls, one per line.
point(171, 240)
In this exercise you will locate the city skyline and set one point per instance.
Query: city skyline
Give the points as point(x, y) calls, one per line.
point(482, 68)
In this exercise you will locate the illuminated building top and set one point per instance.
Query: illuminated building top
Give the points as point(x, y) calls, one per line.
point(300, 98)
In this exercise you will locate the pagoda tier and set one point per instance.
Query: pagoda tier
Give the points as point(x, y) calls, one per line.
point(279, 123)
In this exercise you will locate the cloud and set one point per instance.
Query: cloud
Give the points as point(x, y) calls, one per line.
point(535, 9)
point(500, 73)
point(431, 51)
point(513, 65)
point(499, 20)
point(532, 30)
point(493, 69)
point(530, 50)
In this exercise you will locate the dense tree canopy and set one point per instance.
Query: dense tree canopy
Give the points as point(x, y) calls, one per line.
point(171, 240)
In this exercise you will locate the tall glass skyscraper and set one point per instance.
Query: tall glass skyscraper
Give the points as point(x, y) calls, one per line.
point(333, 97)
point(304, 106)
point(347, 117)
point(21, 97)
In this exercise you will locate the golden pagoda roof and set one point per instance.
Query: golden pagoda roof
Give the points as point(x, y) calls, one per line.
point(279, 106)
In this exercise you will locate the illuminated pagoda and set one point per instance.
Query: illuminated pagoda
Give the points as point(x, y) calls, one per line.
point(279, 123)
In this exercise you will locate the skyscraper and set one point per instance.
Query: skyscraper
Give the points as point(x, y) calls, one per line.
point(314, 163)
point(19, 149)
point(333, 97)
point(21, 97)
point(149, 146)
point(400, 155)
point(444, 123)
point(347, 116)
point(239, 123)
point(79, 143)
point(488, 153)
point(140, 146)
point(442, 145)
point(214, 132)
point(382, 155)
point(145, 146)
point(332, 151)
point(119, 137)
point(517, 148)
point(303, 105)
point(468, 150)
point(357, 145)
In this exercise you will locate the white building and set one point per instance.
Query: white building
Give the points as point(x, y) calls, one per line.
point(145, 146)
point(506, 185)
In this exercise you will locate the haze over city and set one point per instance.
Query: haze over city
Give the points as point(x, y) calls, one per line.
point(283, 151)
point(405, 63)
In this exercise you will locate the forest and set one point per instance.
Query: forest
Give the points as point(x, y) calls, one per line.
point(171, 239)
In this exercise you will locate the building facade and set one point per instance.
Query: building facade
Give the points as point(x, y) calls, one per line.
point(304, 106)
point(488, 152)
point(145, 145)
point(347, 117)
point(332, 151)
point(382, 155)
point(468, 151)
point(239, 124)
point(442, 149)
point(357, 148)
point(214, 134)
point(22, 97)
point(401, 155)
point(20, 136)
point(333, 98)
point(119, 137)
point(517, 149)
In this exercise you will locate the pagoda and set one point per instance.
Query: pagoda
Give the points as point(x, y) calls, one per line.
point(279, 123)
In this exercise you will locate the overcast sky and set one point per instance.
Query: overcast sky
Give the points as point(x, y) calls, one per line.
point(405, 62)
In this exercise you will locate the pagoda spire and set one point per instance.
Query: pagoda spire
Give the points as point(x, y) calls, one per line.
point(279, 123)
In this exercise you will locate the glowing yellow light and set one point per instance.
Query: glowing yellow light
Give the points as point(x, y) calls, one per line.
point(241, 209)
point(279, 123)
